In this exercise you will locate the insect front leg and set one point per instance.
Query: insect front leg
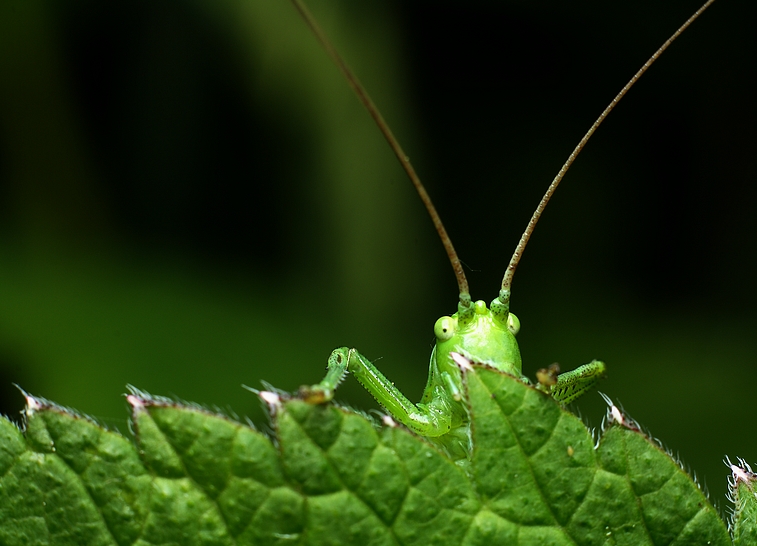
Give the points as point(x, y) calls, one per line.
point(433, 418)
point(571, 385)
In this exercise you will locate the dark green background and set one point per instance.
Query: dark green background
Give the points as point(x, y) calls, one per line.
point(191, 199)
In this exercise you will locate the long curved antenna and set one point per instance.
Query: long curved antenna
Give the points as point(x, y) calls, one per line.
point(362, 94)
point(504, 295)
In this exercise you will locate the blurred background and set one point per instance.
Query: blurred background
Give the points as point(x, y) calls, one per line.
point(191, 199)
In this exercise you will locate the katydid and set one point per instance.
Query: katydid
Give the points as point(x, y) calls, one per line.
point(476, 332)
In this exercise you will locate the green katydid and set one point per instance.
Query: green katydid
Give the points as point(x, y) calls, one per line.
point(475, 332)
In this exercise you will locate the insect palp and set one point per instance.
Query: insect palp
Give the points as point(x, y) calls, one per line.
point(465, 363)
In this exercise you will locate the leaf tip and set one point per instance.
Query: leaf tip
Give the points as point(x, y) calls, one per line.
point(32, 404)
point(616, 415)
point(741, 472)
point(388, 421)
point(741, 494)
point(272, 400)
point(137, 404)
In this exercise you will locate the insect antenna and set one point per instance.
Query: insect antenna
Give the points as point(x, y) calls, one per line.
point(504, 294)
point(365, 99)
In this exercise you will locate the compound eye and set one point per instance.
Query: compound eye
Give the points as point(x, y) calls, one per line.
point(513, 324)
point(444, 328)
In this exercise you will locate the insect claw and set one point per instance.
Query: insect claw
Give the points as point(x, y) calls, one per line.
point(314, 395)
point(547, 377)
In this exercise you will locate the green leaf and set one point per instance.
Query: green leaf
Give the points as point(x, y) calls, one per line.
point(743, 496)
point(332, 476)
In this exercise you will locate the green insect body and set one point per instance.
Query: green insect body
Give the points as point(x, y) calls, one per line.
point(476, 333)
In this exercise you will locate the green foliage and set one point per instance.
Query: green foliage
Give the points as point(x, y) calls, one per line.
point(332, 476)
point(742, 495)
point(135, 158)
